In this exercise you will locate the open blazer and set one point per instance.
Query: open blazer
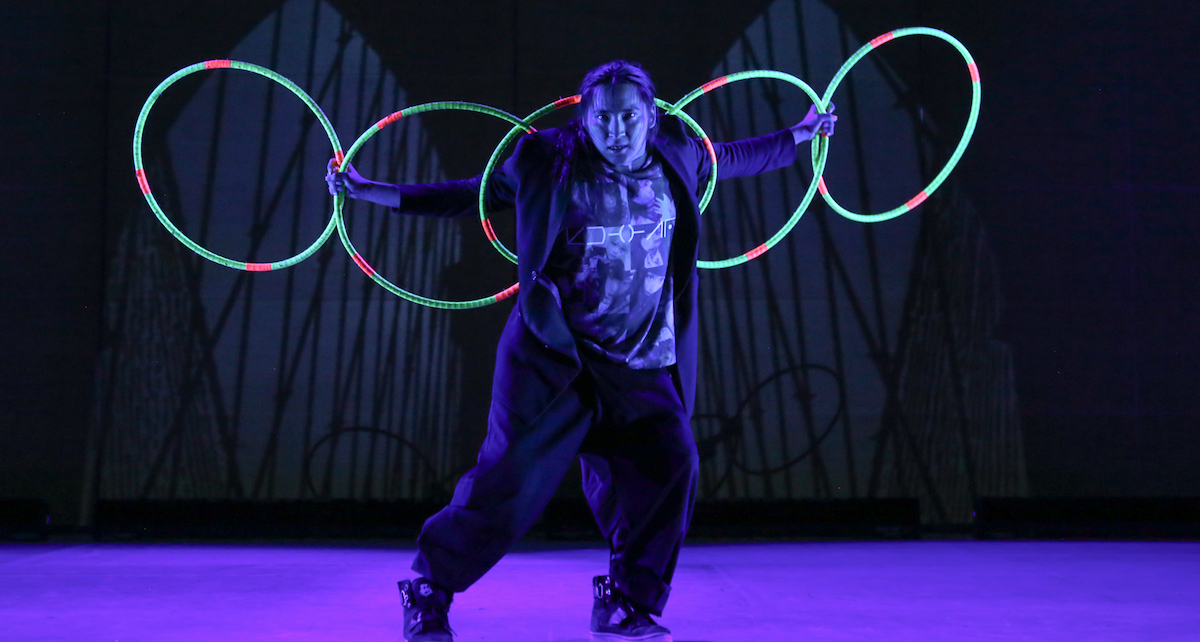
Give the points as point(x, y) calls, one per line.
point(537, 357)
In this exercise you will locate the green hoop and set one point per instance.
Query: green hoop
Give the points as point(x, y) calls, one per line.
point(912, 203)
point(820, 149)
point(140, 172)
point(341, 223)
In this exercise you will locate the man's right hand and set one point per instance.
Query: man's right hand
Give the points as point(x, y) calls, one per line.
point(349, 181)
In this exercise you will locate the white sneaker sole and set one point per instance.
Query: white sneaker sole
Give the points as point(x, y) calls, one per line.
point(616, 637)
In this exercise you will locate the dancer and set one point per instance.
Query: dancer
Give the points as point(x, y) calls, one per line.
point(598, 357)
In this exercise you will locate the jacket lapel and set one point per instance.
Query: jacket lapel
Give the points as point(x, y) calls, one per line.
point(558, 213)
point(685, 245)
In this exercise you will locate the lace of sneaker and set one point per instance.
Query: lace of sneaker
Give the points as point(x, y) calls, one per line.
point(637, 617)
point(633, 617)
point(431, 622)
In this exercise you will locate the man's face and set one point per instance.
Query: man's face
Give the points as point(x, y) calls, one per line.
point(618, 124)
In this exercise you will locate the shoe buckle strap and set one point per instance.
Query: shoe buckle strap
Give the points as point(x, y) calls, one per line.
point(603, 586)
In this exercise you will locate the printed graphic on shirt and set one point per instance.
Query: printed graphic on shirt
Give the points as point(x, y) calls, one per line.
point(610, 266)
point(599, 235)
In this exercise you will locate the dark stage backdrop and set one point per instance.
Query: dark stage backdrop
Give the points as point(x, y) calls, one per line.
point(1029, 330)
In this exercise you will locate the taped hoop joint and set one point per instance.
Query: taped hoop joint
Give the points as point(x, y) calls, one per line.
point(917, 200)
point(713, 84)
point(218, 64)
point(508, 292)
point(363, 265)
point(258, 267)
point(879, 40)
point(389, 119)
point(712, 153)
point(756, 251)
point(569, 100)
point(141, 179)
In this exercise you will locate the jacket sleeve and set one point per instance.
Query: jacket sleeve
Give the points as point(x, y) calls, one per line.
point(458, 197)
point(748, 156)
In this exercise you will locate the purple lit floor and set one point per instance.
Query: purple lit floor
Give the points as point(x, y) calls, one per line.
point(919, 590)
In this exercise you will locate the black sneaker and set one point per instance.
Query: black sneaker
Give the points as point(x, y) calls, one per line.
point(615, 618)
point(426, 611)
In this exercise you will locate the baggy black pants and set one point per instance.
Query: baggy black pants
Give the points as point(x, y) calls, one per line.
point(640, 470)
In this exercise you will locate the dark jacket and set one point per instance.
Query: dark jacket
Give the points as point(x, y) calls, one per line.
point(537, 356)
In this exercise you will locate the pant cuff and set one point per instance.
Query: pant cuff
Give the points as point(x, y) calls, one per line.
point(643, 587)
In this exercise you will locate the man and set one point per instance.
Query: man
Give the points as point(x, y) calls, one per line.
point(598, 357)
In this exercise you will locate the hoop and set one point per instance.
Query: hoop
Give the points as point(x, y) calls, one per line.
point(820, 147)
point(144, 184)
point(912, 203)
point(341, 222)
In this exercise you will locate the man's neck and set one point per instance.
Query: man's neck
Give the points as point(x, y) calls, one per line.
point(634, 167)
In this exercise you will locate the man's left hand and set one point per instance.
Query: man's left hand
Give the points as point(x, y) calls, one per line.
point(814, 123)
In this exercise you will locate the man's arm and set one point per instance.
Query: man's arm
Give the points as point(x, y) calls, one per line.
point(356, 186)
point(443, 200)
point(751, 156)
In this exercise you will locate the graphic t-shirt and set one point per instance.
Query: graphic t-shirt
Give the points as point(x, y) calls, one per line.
point(610, 265)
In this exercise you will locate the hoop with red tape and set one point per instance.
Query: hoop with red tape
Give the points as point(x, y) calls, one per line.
point(344, 234)
point(144, 183)
point(972, 70)
point(520, 127)
point(820, 145)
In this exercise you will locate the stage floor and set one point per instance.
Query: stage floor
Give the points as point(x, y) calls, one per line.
point(910, 590)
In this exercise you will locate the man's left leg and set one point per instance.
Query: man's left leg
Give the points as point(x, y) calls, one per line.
point(640, 472)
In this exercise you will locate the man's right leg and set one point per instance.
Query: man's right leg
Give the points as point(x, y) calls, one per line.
point(519, 467)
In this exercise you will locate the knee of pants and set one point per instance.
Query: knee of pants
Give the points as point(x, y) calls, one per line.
point(693, 459)
point(684, 459)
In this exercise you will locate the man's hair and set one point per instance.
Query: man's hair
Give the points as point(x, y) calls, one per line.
point(611, 74)
point(573, 143)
